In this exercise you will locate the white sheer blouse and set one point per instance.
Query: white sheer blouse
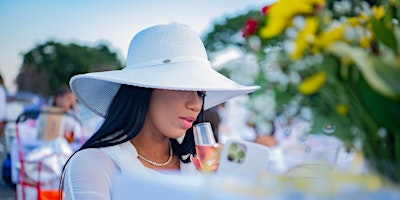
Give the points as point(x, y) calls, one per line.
point(90, 173)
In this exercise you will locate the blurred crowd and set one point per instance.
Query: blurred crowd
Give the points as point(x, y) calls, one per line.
point(38, 118)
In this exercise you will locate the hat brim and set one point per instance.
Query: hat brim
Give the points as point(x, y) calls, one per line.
point(97, 89)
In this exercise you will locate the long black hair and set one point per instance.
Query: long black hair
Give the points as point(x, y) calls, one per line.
point(122, 123)
point(125, 118)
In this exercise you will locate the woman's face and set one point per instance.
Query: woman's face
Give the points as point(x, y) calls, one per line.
point(172, 112)
point(66, 101)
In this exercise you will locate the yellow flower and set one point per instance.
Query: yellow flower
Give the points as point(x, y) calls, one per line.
point(353, 21)
point(274, 28)
point(280, 14)
point(379, 11)
point(305, 37)
point(365, 42)
point(312, 84)
point(342, 109)
point(363, 16)
point(330, 36)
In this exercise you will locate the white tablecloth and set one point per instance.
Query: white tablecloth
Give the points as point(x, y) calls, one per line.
point(238, 188)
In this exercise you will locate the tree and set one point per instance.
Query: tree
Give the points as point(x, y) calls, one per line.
point(52, 64)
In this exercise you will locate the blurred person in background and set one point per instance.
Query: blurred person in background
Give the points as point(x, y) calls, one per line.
point(60, 119)
point(3, 103)
point(6, 164)
point(70, 126)
point(65, 99)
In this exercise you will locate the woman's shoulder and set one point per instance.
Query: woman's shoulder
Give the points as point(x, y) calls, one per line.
point(90, 152)
point(88, 158)
point(88, 172)
point(92, 155)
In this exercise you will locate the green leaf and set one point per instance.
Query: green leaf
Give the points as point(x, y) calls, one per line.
point(341, 123)
point(389, 74)
point(368, 67)
point(385, 111)
point(384, 35)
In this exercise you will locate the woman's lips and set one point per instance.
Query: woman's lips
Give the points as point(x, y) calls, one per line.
point(187, 122)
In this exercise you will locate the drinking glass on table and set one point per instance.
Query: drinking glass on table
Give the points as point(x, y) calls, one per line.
point(207, 149)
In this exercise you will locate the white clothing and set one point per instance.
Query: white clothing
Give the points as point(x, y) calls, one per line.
point(69, 123)
point(3, 103)
point(90, 174)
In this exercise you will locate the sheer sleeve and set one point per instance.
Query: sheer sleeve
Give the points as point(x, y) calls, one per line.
point(88, 175)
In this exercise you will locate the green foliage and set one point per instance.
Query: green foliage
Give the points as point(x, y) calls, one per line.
point(50, 65)
point(228, 32)
point(384, 35)
point(353, 50)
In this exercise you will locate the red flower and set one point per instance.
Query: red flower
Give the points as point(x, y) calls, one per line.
point(249, 28)
point(264, 10)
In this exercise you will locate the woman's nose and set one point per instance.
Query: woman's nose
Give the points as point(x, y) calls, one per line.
point(195, 101)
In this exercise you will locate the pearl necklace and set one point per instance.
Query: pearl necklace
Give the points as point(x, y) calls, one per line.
point(159, 164)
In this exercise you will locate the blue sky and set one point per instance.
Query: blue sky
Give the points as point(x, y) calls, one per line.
point(26, 23)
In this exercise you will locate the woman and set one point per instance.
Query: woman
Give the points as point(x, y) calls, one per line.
point(3, 103)
point(149, 108)
point(64, 99)
point(59, 119)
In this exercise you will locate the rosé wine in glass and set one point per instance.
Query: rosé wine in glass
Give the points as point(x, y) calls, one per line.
point(208, 157)
point(206, 147)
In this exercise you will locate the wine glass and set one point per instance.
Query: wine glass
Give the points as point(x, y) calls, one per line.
point(207, 149)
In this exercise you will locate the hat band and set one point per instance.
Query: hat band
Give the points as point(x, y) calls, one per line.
point(167, 61)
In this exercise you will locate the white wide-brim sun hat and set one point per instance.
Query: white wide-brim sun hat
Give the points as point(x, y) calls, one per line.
point(170, 56)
